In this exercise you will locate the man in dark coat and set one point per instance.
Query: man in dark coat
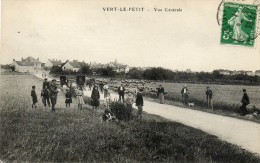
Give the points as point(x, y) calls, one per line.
point(45, 96)
point(245, 101)
point(53, 94)
point(121, 93)
point(139, 103)
point(45, 83)
point(160, 94)
point(209, 95)
point(184, 95)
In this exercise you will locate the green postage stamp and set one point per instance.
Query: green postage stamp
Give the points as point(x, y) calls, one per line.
point(239, 24)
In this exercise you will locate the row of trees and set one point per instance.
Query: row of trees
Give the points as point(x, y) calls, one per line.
point(162, 74)
point(158, 73)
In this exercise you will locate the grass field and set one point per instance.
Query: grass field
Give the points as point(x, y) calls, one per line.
point(230, 95)
point(28, 134)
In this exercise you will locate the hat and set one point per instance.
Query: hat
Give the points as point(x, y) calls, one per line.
point(45, 79)
point(53, 80)
point(244, 90)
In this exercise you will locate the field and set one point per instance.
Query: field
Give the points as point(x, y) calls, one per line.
point(28, 134)
point(225, 97)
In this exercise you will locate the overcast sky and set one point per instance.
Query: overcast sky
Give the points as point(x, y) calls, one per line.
point(80, 29)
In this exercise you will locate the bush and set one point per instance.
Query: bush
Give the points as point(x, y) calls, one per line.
point(121, 112)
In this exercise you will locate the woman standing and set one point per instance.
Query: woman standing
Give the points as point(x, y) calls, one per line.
point(95, 96)
point(79, 94)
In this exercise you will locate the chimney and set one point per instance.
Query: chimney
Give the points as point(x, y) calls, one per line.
point(22, 59)
point(13, 59)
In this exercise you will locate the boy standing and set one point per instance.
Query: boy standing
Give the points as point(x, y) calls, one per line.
point(34, 97)
point(139, 103)
point(68, 97)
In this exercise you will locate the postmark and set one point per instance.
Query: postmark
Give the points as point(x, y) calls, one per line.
point(238, 24)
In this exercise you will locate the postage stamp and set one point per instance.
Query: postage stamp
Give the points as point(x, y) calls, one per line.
point(239, 24)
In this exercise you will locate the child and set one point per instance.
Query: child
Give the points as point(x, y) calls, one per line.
point(34, 97)
point(139, 103)
point(79, 95)
point(108, 116)
point(68, 98)
point(107, 100)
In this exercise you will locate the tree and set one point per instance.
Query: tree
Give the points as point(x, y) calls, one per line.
point(135, 74)
point(55, 69)
point(85, 70)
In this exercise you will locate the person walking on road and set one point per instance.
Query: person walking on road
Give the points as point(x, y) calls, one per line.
point(53, 94)
point(245, 101)
point(121, 93)
point(160, 94)
point(209, 95)
point(184, 95)
point(139, 103)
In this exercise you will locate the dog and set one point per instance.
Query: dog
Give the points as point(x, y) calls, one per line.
point(251, 116)
point(191, 104)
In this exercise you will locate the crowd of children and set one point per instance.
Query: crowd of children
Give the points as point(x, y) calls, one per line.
point(50, 91)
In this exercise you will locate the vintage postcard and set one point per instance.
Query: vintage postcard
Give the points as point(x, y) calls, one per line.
point(130, 81)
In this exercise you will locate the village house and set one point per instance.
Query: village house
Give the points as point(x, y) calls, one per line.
point(257, 72)
point(53, 62)
point(74, 65)
point(28, 64)
point(225, 72)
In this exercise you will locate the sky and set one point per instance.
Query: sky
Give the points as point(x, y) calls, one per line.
point(82, 30)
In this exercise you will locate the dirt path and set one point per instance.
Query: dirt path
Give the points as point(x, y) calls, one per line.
point(239, 132)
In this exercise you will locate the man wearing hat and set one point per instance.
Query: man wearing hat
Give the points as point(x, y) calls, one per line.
point(245, 101)
point(209, 95)
point(121, 93)
point(53, 94)
point(160, 94)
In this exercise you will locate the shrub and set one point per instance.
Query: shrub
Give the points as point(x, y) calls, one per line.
point(121, 112)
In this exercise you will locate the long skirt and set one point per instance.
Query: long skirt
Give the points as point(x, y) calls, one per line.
point(80, 100)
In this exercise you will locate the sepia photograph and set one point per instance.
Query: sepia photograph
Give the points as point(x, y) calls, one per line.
point(130, 81)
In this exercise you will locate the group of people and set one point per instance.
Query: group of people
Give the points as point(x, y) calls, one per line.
point(48, 94)
point(50, 90)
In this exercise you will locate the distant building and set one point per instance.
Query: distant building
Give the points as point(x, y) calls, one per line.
point(249, 73)
point(73, 65)
point(225, 72)
point(28, 64)
point(257, 72)
point(53, 62)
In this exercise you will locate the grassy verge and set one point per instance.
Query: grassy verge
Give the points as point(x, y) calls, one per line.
point(70, 135)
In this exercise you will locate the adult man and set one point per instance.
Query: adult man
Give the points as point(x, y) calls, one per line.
point(184, 94)
point(160, 94)
point(45, 83)
point(121, 93)
point(245, 101)
point(53, 94)
point(209, 95)
point(46, 96)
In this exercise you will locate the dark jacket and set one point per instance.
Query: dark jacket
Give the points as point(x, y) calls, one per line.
point(45, 83)
point(209, 94)
point(53, 91)
point(121, 91)
point(245, 99)
point(68, 97)
point(139, 99)
point(160, 90)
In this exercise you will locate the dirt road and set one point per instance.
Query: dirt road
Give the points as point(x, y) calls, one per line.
point(239, 132)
